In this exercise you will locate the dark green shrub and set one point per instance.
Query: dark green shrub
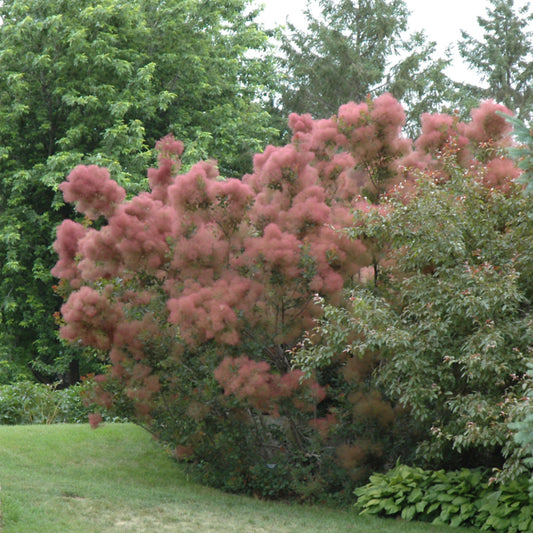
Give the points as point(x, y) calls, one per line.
point(507, 508)
point(524, 430)
point(11, 372)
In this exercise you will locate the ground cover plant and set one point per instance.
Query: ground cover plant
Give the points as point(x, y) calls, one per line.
point(117, 479)
point(35, 403)
point(198, 295)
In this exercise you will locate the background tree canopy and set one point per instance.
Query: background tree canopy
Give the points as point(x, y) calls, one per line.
point(353, 48)
point(356, 48)
point(99, 82)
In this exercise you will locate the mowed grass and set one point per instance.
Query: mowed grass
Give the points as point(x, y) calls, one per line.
point(72, 479)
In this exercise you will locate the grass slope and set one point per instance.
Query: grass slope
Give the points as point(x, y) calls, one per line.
point(71, 479)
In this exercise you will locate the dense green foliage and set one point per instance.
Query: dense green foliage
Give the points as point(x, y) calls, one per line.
point(100, 82)
point(458, 498)
point(523, 428)
point(445, 309)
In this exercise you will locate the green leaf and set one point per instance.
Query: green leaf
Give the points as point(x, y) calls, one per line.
point(409, 512)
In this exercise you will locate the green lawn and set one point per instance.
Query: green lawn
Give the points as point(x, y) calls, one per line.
point(71, 479)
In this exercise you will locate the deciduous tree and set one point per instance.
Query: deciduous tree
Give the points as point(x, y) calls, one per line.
point(100, 82)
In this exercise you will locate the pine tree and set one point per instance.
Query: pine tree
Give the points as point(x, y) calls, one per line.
point(503, 57)
point(360, 47)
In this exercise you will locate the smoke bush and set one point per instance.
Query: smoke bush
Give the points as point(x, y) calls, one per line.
point(197, 292)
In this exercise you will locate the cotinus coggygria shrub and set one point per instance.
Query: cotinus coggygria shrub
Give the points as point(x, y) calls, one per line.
point(198, 292)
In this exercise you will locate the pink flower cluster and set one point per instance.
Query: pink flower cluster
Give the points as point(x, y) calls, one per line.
point(205, 258)
point(487, 126)
point(254, 382)
point(93, 191)
point(91, 318)
point(210, 312)
point(66, 245)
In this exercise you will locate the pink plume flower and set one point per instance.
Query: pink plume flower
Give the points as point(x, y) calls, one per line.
point(91, 318)
point(93, 191)
point(169, 148)
point(66, 245)
point(486, 124)
point(95, 419)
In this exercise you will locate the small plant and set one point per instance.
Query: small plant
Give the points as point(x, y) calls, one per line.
point(458, 498)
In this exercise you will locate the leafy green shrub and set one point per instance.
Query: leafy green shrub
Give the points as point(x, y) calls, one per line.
point(458, 498)
point(73, 406)
point(11, 372)
point(26, 402)
point(447, 313)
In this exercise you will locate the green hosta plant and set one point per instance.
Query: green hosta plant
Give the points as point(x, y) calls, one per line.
point(458, 498)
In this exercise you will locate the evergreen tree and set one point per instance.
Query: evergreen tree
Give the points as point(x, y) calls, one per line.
point(504, 55)
point(360, 47)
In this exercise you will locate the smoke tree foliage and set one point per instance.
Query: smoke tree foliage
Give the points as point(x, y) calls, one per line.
point(198, 294)
point(503, 57)
point(446, 308)
point(101, 82)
